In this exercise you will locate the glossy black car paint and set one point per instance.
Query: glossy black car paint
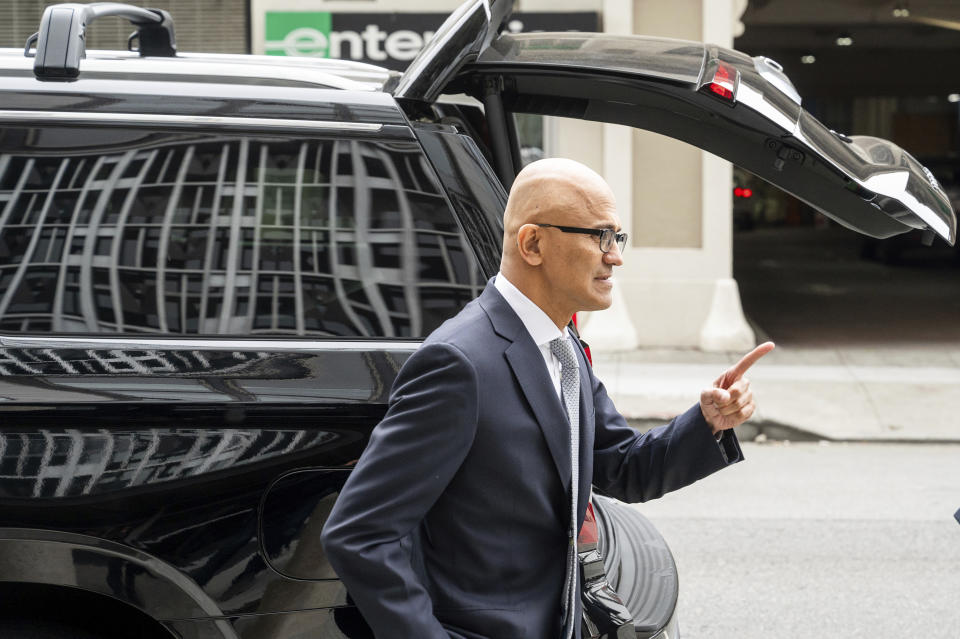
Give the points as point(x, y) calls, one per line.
point(194, 509)
point(135, 467)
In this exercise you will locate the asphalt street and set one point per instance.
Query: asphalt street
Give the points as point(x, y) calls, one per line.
point(820, 540)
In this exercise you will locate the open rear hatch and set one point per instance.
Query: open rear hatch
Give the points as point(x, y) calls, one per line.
point(740, 108)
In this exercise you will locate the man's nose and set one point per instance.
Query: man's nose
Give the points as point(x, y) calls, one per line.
point(613, 257)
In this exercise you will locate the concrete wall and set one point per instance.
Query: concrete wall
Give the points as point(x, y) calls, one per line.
point(676, 286)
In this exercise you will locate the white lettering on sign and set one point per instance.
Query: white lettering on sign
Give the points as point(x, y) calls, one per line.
point(352, 39)
point(305, 41)
point(372, 35)
point(403, 45)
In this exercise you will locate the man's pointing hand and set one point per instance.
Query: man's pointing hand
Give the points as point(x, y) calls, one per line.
point(730, 402)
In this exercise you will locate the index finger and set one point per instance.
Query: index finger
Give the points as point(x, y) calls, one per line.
point(748, 360)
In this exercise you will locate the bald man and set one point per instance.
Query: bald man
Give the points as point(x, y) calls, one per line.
point(457, 520)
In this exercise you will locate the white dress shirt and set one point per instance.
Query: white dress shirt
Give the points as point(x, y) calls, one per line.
point(541, 328)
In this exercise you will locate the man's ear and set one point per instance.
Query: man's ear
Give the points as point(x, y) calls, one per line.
point(528, 244)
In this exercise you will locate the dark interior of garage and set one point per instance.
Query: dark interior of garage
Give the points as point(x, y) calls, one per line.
point(863, 68)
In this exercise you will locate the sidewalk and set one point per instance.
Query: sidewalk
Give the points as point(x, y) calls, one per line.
point(898, 393)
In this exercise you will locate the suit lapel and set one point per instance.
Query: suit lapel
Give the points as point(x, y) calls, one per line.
point(526, 361)
point(538, 388)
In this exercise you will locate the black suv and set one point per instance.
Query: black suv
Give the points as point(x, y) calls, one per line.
point(212, 267)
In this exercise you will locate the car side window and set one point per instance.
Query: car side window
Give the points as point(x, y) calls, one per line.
point(127, 231)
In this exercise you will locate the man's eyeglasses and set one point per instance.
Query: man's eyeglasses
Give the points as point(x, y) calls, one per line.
point(607, 236)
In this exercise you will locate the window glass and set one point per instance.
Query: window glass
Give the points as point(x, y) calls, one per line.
point(134, 232)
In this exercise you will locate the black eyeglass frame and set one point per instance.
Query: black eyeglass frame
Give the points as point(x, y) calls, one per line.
point(607, 236)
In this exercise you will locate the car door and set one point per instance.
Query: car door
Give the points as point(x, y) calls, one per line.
point(740, 108)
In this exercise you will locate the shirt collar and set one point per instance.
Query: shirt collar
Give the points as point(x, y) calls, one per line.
point(541, 328)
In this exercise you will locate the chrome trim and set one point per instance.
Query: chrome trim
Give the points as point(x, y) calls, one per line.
point(756, 100)
point(891, 183)
point(772, 72)
point(322, 72)
point(73, 117)
point(227, 344)
point(894, 185)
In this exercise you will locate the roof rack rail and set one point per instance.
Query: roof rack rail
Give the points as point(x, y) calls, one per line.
point(60, 40)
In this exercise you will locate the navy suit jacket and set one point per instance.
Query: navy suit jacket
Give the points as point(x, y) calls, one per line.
point(454, 522)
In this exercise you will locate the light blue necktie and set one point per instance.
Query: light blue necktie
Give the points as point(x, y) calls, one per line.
point(570, 389)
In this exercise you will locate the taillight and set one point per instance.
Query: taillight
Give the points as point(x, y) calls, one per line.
point(723, 84)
